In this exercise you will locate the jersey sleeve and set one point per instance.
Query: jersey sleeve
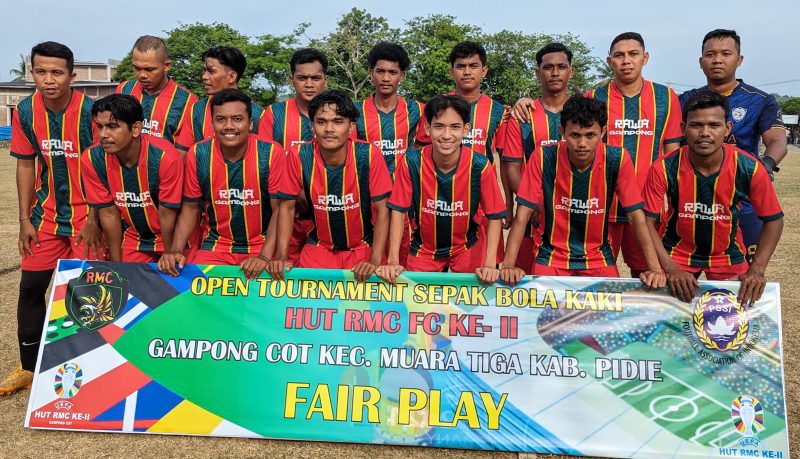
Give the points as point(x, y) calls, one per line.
point(672, 129)
point(400, 200)
point(290, 177)
point(184, 136)
point(491, 198)
point(530, 192)
point(21, 147)
point(512, 143)
point(97, 195)
point(191, 185)
point(762, 195)
point(500, 139)
point(265, 124)
point(770, 115)
point(380, 184)
point(626, 188)
point(654, 190)
point(170, 180)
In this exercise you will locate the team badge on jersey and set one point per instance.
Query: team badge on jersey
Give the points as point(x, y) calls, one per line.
point(96, 298)
point(738, 113)
point(720, 321)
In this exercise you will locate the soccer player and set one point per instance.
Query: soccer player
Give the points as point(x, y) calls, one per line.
point(223, 67)
point(165, 103)
point(704, 182)
point(132, 179)
point(50, 128)
point(443, 184)
point(288, 124)
point(233, 178)
point(754, 114)
point(345, 183)
point(553, 70)
point(572, 183)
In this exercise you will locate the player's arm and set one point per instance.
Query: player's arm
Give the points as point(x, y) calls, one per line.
point(167, 218)
point(173, 258)
point(392, 268)
point(111, 223)
point(91, 234)
point(365, 269)
point(26, 177)
point(682, 285)
point(775, 145)
point(509, 272)
point(653, 278)
point(488, 273)
point(253, 266)
point(280, 262)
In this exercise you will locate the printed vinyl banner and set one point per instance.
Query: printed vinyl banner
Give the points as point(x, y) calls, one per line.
point(576, 366)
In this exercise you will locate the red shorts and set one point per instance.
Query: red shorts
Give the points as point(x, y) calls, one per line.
point(527, 254)
point(621, 236)
point(51, 249)
point(465, 262)
point(298, 239)
point(605, 271)
point(136, 256)
point(730, 272)
point(208, 257)
point(314, 256)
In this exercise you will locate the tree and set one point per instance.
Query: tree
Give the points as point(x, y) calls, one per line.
point(790, 106)
point(19, 72)
point(268, 65)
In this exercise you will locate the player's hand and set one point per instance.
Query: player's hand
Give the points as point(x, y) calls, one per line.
point(27, 235)
point(487, 274)
point(535, 217)
point(278, 267)
point(253, 266)
point(92, 237)
point(171, 262)
point(507, 221)
point(653, 279)
point(506, 113)
point(520, 109)
point(682, 285)
point(511, 275)
point(753, 283)
point(364, 269)
point(389, 272)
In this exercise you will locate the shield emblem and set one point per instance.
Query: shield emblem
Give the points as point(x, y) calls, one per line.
point(96, 298)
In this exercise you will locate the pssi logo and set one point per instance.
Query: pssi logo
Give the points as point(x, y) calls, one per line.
point(720, 321)
point(96, 297)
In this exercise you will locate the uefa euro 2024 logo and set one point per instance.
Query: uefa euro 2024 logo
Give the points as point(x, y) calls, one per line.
point(720, 321)
point(747, 415)
point(68, 380)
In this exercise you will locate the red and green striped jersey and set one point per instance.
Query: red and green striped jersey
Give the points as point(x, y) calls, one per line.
point(138, 191)
point(702, 215)
point(163, 112)
point(521, 139)
point(576, 204)
point(444, 204)
point(641, 124)
point(56, 140)
point(197, 126)
point(340, 197)
point(234, 195)
point(283, 123)
point(394, 132)
point(485, 117)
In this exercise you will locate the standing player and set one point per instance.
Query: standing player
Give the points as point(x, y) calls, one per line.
point(442, 185)
point(346, 184)
point(232, 178)
point(223, 67)
point(573, 183)
point(288, 124)
point(553, 70)
point(132, 179)
point(704, 183)
point(165, 103)
point(754, 113)
point(50, 128)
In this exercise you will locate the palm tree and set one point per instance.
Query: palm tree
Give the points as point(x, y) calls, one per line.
point(19, 72)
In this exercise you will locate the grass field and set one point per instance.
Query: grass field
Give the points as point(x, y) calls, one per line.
point(16, 441)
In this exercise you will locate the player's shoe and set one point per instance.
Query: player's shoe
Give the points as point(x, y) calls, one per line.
point(16, 381)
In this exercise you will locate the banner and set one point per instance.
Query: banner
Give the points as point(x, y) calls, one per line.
point(581, 366)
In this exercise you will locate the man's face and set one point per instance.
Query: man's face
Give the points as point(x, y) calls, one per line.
point(386, 77)
point(150, 68)
point(331, 129)
point(555, 72)
point(115, 136)
point(308, 80)
point(468, 72)
point(720, 59)
point(705, 130)
point(627, 59)
point(447, 130)
point(217, 77)
point(51, 76)
point(582, 141)
point(231, 124)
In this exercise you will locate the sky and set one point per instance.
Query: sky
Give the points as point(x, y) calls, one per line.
point(98, 30)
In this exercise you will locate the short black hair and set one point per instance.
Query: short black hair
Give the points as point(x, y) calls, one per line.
point(228, 56)
point(583, 111)
point(553, 48)
point(466, 49)
point(232, 95)
point(392, 52)
point(723, 33)
point(344, 105)
point(307, 56)
point(626, 36)
point(123, 107)
point(439, 104)
point(54, 49)
point(705, 98)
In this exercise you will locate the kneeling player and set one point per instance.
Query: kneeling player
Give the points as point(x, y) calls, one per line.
point(231, 177)
point(133, 176)
point(444, 184)
point(704, 182)
point(573, 183)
